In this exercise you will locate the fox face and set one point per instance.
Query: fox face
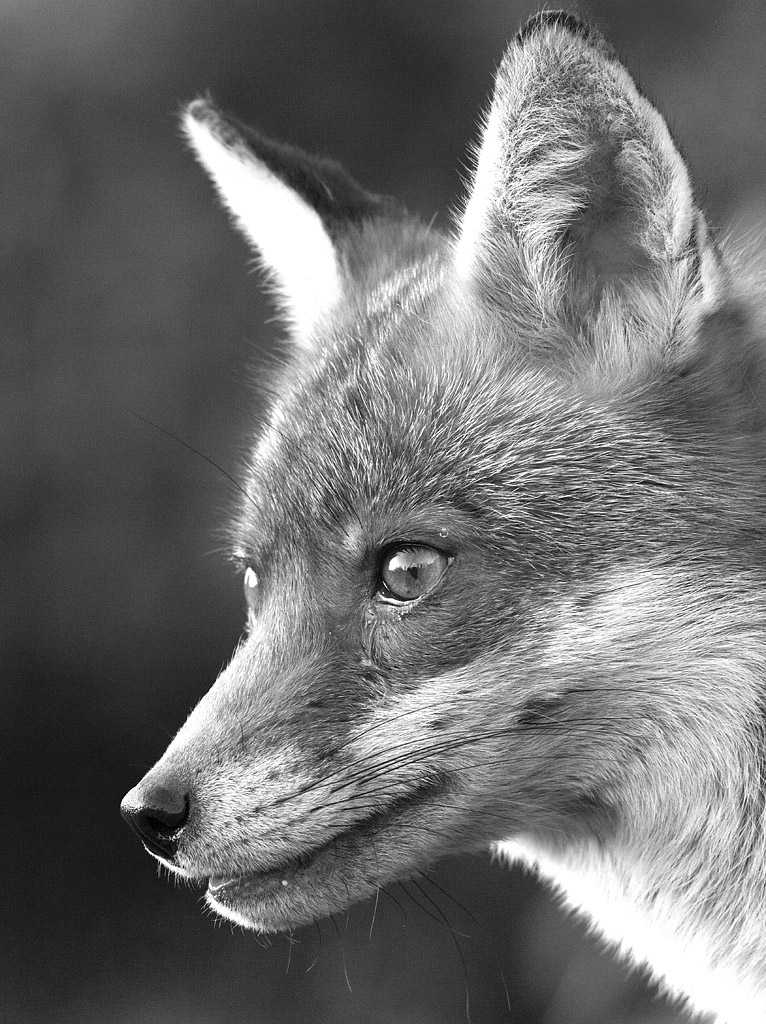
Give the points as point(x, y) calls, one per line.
point(501, 536)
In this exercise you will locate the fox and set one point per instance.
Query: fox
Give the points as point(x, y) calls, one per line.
point(502, 540)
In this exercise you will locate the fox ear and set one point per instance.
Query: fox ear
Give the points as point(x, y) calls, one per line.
point(580, 194)
point(298, 211)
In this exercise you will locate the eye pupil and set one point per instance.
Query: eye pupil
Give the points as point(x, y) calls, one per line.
point(408, 573)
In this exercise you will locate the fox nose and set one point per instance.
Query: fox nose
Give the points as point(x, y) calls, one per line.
point(157, 814)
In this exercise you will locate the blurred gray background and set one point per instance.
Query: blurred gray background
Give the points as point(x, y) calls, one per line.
point(128, 295)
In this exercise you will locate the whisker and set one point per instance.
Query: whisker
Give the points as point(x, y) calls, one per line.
point(442, 920)
point(342, 952)
point(319, 949)
point(492, 945)
point(185, 444)
point(396, 901)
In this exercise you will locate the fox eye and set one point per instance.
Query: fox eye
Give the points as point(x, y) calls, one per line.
point(250, 585)
point(407, 573)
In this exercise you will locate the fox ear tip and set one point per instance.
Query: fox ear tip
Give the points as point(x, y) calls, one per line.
point(198, 109)
point(203, 117)
point(202, 111)
point(564, 22)
point(552, 19)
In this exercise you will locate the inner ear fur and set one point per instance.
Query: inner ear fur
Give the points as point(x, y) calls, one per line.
point(579, 191)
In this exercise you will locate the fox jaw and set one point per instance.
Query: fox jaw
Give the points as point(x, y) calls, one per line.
point(501, 541)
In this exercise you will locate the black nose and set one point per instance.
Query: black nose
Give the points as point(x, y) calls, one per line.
point(158, 815)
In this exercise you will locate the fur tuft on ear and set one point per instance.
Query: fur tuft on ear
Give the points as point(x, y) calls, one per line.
point(579, 194)
point(303, 214)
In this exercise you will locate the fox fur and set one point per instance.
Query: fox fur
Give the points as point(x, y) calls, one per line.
point(550, 426)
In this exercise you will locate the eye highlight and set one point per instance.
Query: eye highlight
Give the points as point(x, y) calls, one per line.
point(250, 587)
point(411, 571)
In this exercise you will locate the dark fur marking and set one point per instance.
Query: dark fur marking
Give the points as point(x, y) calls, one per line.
point(322, 182)
point(569, 22)
point(553, 19)
point(539, 712)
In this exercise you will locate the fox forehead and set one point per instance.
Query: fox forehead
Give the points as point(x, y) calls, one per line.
point(403, 406)
point(428, 423)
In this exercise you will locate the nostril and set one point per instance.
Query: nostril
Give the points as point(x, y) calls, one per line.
point(158, 816)
point(167, 811)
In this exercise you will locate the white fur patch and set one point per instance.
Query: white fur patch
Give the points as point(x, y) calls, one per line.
point(689, 972)
point(287, 233)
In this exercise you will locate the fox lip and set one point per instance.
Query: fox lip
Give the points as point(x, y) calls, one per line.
point(224, 890)
point(218, 884)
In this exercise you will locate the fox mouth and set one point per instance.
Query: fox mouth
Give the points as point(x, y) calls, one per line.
point(317, 882)
point(219, 884)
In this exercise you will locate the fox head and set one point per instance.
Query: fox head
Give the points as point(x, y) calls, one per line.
point(502, 532)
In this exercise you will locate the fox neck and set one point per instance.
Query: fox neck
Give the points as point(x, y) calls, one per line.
point(700, 933)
